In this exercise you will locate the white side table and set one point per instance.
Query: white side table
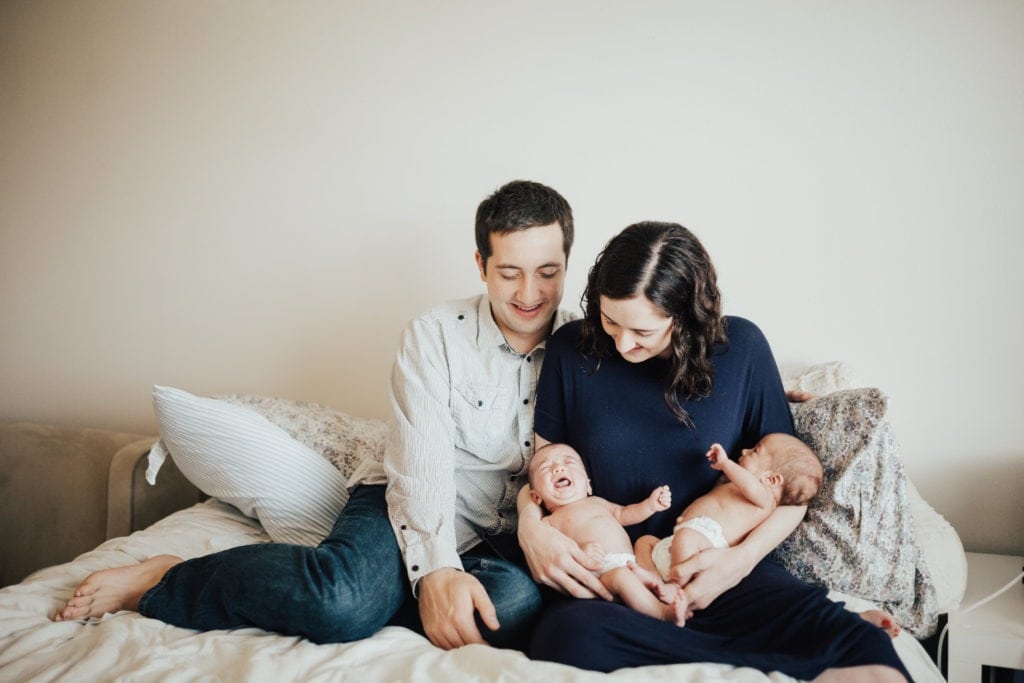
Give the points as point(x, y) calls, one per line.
point(992, 634)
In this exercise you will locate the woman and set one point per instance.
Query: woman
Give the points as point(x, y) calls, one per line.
point(641, 387)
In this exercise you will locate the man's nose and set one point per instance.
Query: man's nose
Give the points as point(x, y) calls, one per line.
point(528, 289)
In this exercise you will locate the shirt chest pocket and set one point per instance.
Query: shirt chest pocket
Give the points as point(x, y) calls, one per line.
point(485, 421)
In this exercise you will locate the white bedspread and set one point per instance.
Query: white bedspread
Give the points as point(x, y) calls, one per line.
point(127, 646)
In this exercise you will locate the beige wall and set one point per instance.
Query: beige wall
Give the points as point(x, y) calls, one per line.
point(254, 196)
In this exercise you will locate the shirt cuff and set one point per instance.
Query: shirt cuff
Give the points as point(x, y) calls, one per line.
point(424, 553)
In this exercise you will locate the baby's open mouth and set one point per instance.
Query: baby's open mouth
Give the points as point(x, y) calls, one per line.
point(562, 482)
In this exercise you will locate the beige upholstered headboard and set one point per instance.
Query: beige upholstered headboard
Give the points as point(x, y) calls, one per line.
point(64, 490)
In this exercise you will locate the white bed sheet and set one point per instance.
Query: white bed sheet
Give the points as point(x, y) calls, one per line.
point(127, 646)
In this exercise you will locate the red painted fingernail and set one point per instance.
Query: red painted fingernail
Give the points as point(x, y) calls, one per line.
point(886, 622)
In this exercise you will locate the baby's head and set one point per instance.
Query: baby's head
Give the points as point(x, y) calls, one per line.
point(557, 476)
point(797, 464)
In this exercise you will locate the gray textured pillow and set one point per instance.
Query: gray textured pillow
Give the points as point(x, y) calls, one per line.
point(858, 535)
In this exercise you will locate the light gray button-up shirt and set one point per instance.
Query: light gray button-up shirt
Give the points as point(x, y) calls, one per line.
point(462, 400)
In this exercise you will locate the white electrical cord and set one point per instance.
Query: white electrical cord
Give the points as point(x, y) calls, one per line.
point(942, 636)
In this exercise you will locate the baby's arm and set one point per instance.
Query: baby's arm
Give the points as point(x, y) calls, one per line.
point(628, 515)
point(752, 488)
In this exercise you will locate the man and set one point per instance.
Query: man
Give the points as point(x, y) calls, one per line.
point(462, 392)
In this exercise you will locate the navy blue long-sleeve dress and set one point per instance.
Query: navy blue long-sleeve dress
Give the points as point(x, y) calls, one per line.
point(617, 419)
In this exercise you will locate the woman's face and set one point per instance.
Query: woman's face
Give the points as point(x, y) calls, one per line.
point(638, 327)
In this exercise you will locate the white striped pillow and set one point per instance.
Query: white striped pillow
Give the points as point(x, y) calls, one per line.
point(238, 456)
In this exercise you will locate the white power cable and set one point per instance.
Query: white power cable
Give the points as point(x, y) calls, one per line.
point(959, 613)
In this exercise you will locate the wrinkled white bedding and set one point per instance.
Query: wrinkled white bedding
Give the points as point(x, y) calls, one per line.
point(127, 646)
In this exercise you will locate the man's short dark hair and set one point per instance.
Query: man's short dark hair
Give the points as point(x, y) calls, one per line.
point(519, 205)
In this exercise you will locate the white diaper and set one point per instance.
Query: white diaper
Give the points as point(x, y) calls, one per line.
point(614, 561)
point(711, 530)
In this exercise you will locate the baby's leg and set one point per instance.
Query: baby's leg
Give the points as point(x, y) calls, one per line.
point(628, 587)
point(643, 549)
point(882, 620)
point(685, 544)
point(651, 579)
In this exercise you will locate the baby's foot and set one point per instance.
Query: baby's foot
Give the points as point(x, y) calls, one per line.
point(676, 611)
point(112, 590)
point(882, 620)
point(666, 592)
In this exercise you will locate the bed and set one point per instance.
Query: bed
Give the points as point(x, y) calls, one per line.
point(127, 646)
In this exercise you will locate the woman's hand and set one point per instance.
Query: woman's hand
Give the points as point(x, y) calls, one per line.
point(711, 572)
point(558, 562)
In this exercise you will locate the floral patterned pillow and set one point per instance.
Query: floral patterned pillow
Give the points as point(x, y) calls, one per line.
point(345, 440)
point(858, 535)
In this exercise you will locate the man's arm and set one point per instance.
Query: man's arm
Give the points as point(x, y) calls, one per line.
point(555, 560)
point(420, 464)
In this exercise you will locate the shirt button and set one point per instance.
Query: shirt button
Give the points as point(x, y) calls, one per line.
point(404, 527)
point(526, 443)
point(415, 567)
point(526, 401)
point(529, 360)
point(462, 317)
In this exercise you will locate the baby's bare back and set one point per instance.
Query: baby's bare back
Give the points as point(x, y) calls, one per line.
point(590, 521)
point(730, 508)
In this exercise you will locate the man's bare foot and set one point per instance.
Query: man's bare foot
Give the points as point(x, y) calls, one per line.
point(112, 590)
point(676, 612)
point(882, 620)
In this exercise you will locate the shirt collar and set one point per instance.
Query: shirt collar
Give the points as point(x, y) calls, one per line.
point(489, 333)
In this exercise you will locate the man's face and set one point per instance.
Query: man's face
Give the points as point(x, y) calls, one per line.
point(525, 276)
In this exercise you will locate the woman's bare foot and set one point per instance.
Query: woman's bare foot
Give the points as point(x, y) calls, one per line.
point(882, 620)
point(112, 590)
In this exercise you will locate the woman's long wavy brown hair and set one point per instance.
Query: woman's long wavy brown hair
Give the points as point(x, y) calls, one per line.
point(666, 263)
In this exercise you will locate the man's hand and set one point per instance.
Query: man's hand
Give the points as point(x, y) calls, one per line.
point(558, 562)
point(710, 573)
point(449, 601)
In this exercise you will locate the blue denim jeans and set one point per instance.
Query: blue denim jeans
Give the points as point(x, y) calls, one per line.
point(347, 588)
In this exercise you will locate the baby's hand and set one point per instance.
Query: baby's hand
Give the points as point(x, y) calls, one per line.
point(716, 455)
point(595, 551)
point(661, 498)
